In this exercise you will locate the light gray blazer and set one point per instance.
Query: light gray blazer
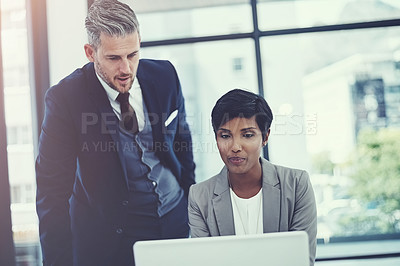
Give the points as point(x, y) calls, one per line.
point(288, 204)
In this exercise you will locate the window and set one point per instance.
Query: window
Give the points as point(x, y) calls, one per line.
point(205, 71)
point(283, 14)
point(17, 98)
point(180, 19)
point(348, 90)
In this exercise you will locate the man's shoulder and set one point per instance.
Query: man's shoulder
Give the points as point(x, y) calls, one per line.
point(153, 65)
point(153, 62)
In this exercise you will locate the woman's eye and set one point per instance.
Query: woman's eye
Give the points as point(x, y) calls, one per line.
point(248, 135)
point(225, 136)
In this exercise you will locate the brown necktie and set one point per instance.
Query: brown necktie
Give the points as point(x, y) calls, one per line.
point(128, 115)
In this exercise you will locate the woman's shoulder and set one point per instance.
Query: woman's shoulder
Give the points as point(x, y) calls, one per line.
point(284, 174)
point(206, 184)
point(288, 171)
point(209, 184)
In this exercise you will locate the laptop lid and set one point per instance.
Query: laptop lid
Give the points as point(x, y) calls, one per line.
point(274, 249)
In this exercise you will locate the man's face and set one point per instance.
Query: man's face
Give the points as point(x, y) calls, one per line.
point(116, 60)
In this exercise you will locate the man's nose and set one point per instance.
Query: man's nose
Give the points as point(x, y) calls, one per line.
point(124, 66)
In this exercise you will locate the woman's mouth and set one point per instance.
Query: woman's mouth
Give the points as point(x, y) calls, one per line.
point(236, 160)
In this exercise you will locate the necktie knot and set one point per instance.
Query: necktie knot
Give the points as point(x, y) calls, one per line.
point(123, 98)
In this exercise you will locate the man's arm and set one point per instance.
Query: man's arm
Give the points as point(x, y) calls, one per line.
point(55, 175)
point(183, 141)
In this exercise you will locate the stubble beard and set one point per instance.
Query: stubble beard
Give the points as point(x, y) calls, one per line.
point(107, 80)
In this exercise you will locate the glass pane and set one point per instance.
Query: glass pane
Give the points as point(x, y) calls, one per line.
point(206, 71)
point(169, 21)
point(19, 131)
point(144, 6)
point(336, 96)
point(308, 13)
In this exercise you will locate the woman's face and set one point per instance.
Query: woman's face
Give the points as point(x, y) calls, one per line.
point(239, 143)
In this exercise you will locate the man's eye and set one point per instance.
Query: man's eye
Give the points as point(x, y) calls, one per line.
point(225, 136)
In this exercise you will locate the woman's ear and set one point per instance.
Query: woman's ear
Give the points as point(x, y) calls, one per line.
point(266, 137)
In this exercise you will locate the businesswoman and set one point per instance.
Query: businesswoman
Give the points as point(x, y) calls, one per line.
point(250, 195)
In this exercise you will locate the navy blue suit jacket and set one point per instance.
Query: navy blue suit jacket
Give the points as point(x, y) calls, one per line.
point(81, 181)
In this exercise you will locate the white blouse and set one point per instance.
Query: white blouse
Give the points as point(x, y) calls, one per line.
point(247, 214)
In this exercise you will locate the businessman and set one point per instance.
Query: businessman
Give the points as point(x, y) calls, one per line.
point(115, 160)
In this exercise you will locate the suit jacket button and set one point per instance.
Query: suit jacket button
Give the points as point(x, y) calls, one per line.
point(125, 202)
point(119, 231)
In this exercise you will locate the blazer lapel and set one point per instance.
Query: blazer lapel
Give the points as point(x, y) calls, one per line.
point(150, 98)
point(271, 198)
point(222, 205)
point(110, 120)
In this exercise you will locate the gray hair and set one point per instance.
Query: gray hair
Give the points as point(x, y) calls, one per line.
point(110, 17)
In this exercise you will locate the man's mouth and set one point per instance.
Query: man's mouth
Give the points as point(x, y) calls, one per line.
point(123, 80)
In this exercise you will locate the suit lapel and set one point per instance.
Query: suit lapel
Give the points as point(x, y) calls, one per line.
point(271, 198)
point(222, 205)
point(110, 120)
point(271, 201)
point(150, 98)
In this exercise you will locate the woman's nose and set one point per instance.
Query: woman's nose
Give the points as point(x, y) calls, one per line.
point(236, 146)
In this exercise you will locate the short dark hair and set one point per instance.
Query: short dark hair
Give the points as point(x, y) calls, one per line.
point(241, 103)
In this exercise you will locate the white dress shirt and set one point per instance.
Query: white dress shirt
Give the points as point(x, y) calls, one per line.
point(135, 100)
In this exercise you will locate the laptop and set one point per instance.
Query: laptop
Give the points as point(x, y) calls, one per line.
point(272, 249)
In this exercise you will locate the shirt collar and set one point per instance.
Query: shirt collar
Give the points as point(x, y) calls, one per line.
point(111, 93)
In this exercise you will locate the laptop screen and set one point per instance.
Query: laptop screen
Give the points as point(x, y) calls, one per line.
point(274, 249)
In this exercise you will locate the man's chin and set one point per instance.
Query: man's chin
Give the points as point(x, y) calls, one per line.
point(122, 89)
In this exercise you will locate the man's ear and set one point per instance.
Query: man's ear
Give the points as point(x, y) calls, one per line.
point(89, 51)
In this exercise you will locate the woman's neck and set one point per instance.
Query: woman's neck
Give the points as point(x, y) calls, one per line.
point(246, 185)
